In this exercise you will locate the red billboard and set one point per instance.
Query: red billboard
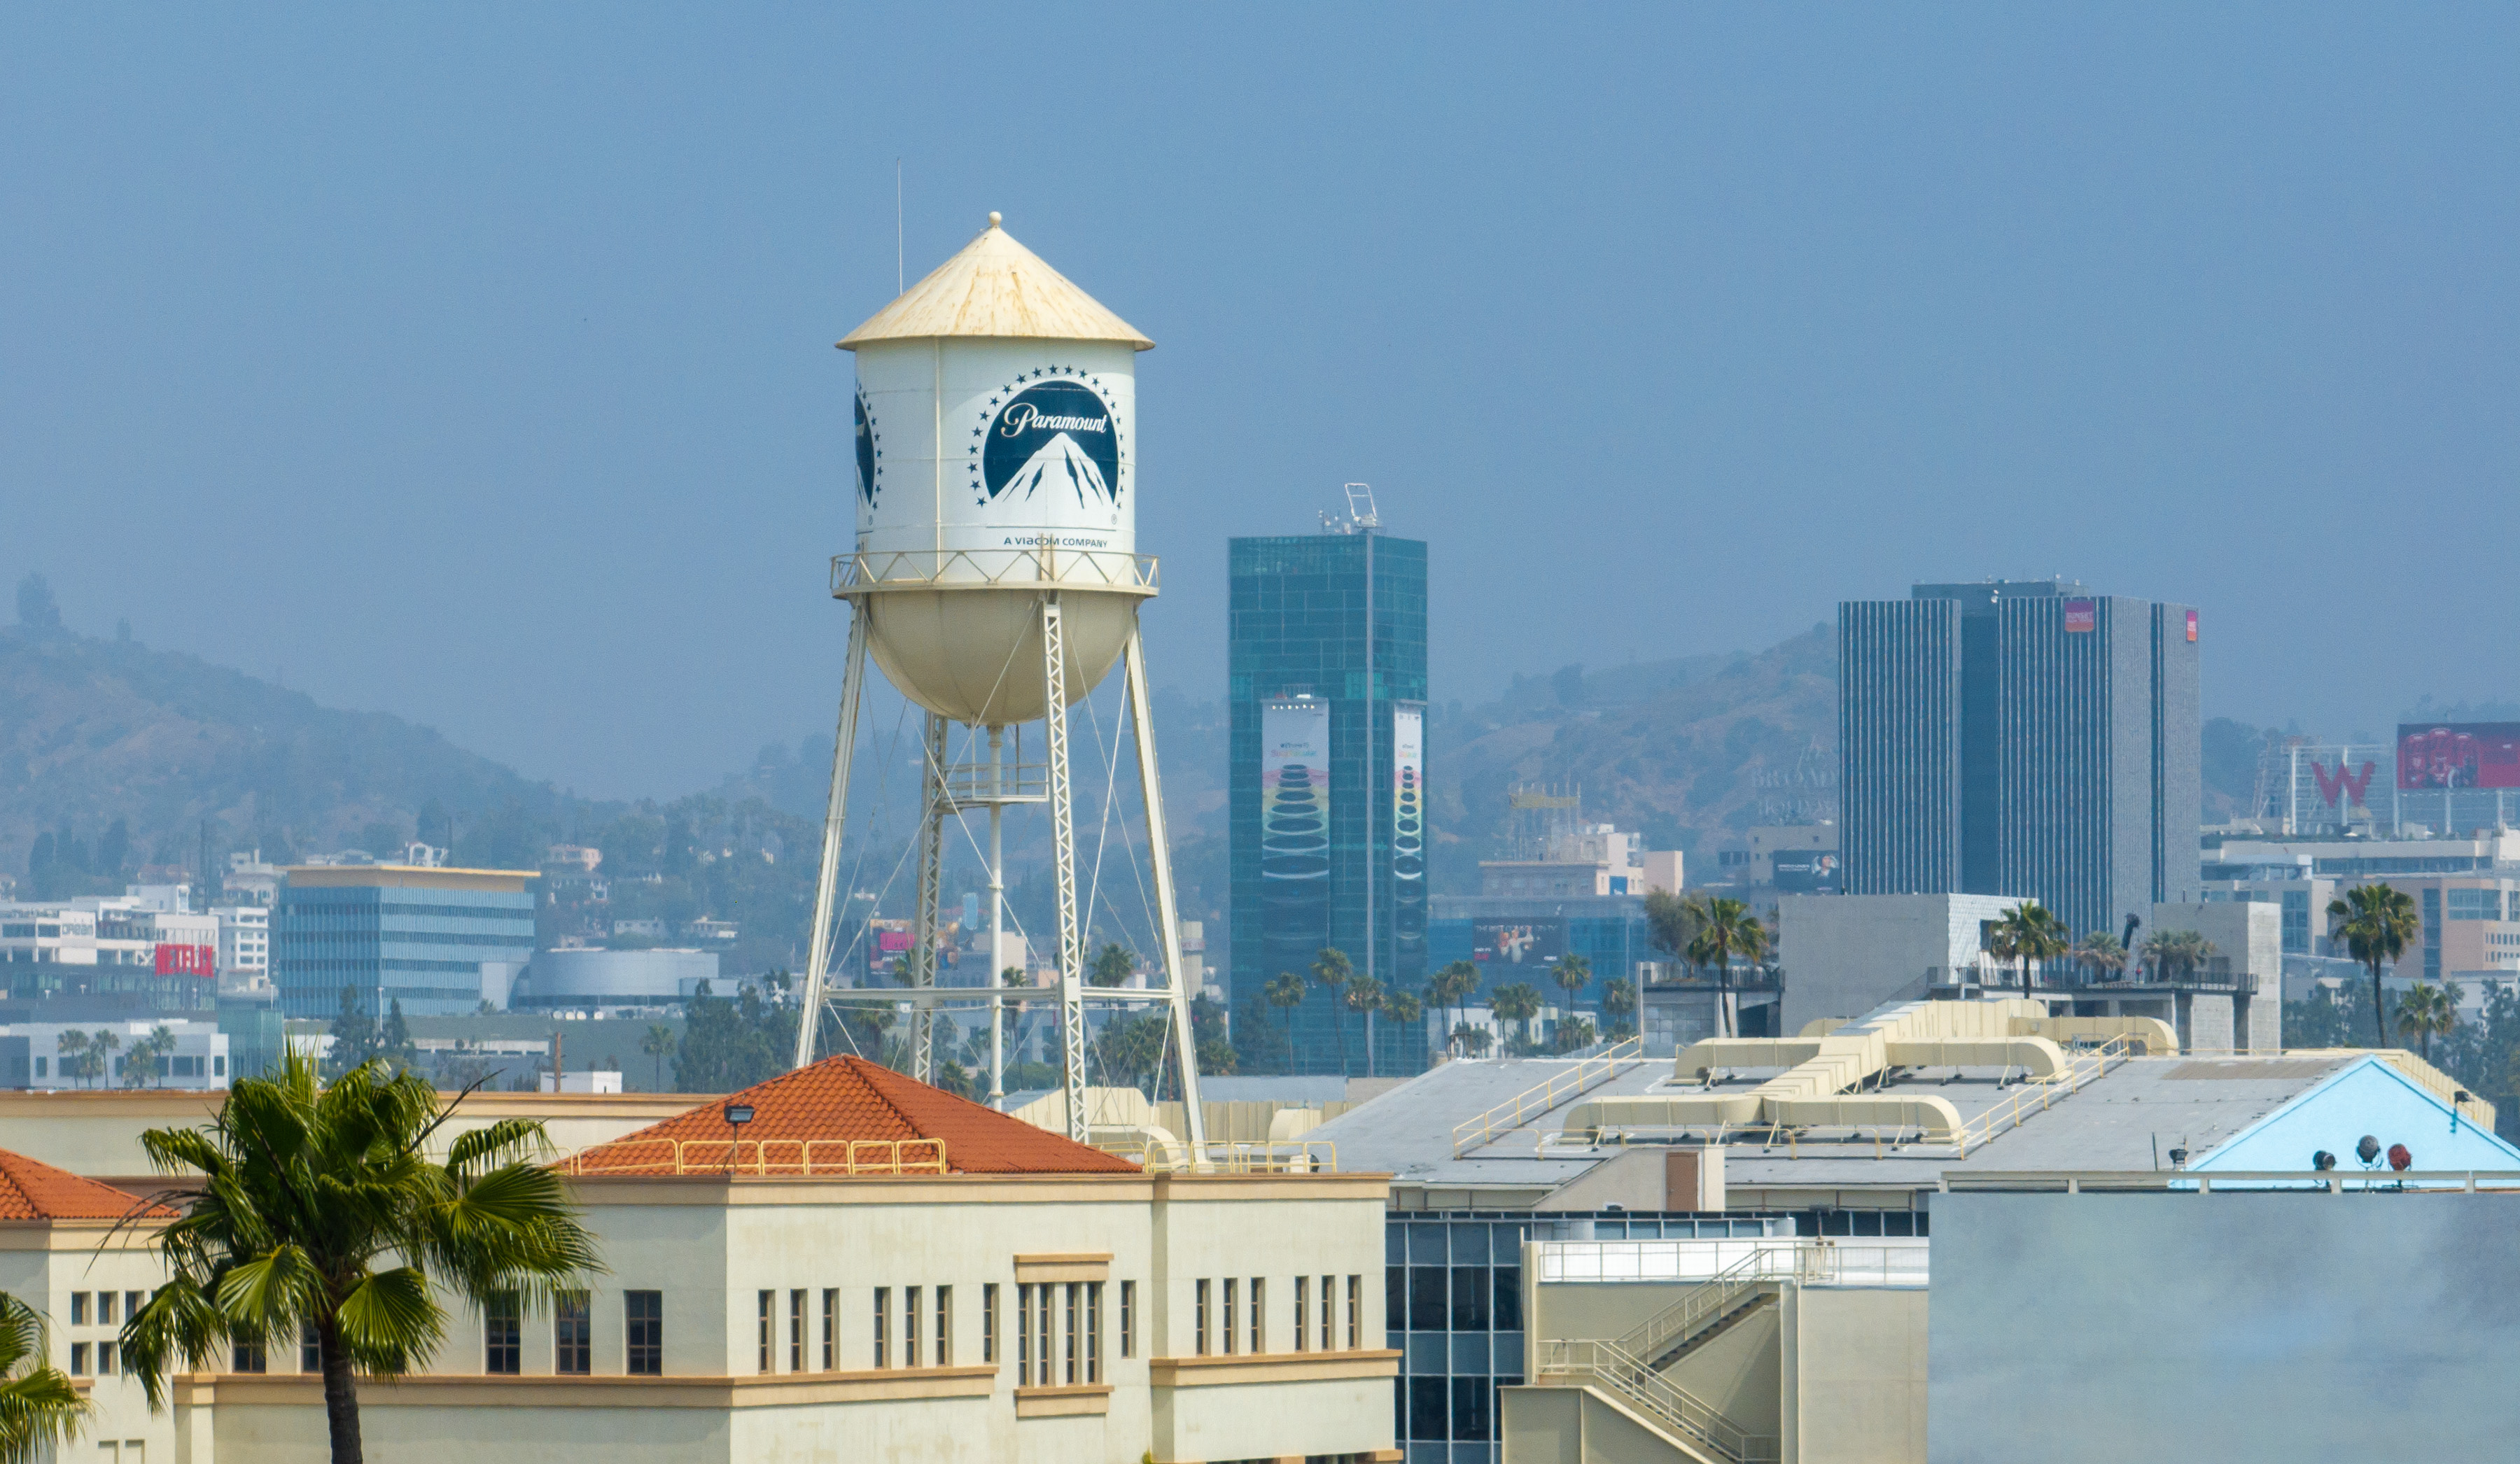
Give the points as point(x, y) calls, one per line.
point(188, 960)
point(2080, 619)
point(2191, 627)
point(2458, 755)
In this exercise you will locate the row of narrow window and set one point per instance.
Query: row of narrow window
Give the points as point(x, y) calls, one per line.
point(1229, 1314)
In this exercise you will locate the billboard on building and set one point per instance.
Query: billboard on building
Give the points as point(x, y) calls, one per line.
point(1295, 829)
point(1408, 829)
point(1506, 943)
point(2080, 619)
point(188, 960)
point(2458, 755)
point(1805, 871)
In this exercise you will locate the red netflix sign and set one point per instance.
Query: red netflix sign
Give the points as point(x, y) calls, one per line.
point(188, 960)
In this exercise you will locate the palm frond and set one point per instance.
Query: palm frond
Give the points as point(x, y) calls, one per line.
point(389, 1321)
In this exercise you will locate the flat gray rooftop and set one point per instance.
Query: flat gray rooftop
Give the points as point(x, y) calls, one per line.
point(2111, 1122)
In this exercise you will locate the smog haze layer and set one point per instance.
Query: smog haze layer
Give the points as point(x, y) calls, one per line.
point(476, 365)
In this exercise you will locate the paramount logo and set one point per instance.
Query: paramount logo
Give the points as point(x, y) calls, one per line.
point(1025, 417)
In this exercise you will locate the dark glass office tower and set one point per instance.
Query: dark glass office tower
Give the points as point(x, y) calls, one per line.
point(2009, 737)
point(1328, 675)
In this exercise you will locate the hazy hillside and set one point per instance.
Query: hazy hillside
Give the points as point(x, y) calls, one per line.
point(1687, 752)
point(94, 731)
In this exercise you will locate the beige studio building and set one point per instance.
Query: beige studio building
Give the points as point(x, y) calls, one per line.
point(875, 1269)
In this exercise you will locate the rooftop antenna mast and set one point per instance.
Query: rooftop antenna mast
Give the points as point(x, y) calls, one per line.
point(1359, 517)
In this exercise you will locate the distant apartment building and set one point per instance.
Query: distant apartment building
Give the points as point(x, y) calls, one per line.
point(101, 956)
point(1327, 677)
point(2466, 894)
point(244, 943)
point(390, 933)
point(2032, 739)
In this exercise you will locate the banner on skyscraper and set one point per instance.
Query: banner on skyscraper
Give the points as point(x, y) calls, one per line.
point(1295, 790)
point(1407, 828)
point(2458, 755)
point(1295, 829)
point(2080, 617)
point(1528, 942)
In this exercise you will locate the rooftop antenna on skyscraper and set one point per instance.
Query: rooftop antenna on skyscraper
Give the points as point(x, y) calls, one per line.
point(1359, 517)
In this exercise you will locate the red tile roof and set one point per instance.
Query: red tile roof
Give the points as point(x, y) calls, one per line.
point(841, 1115)
point(32, 1190)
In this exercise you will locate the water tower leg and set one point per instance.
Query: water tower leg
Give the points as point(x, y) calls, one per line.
point(997, 919)
point(834, 814)
point(1167, 907)
point(1063, 845)
point(923, 939)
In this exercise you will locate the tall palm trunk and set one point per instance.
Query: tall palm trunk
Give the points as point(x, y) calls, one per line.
point(2379, 1012)
point(341, 1396)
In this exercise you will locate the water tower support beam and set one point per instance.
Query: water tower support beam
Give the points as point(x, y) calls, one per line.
point(1167, 908)
point(931, 860)
point(1063, 845)
point(835, 813)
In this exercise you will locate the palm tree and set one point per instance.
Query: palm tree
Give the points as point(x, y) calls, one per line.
point(72, 1049)
point(1572, 973)
point(1726, 929)
point(2427, 1010)
point(1405, 1008)
point(101, 1044)
point(1448, 988)
point(139, 1065)
point(1471, 1038)
point(1516, 1001)
point(1619, 1004)
point(2374, 921)
point(1364, 998)
point(1286, 991)
point(1331, 972)
point(320, 1209)
point(2100, 951)
point(2178, 953)
point(2027, 932)
point(658, 1043)
point(40, 1408)
point(1573, 1033)
point(1112, 965)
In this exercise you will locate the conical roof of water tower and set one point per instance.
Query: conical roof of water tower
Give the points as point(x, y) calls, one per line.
point(995, 287)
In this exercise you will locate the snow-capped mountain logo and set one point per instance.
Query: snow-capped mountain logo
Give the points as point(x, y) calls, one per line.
point(1051, 435)
point(867, 454)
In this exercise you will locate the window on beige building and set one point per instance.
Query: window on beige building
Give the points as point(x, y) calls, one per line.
point(831, 1326)
point(761, 1327)
point(573, 1334)
point(1303, 1299)
point(643, 1333)
point(1259, 1311)
point(882, 1338)
point(1200, 1288)
point(909, 1298)
point(1225, 1319)
point(944, 1326)
point(989, 1322)
point(796, 1330)
point(1128, 1318)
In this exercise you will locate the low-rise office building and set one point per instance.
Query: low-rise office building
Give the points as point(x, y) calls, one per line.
point(387, 933)
point(1819, 1162)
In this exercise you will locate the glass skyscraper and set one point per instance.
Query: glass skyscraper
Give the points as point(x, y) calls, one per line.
point(1327, 664)
point(2030, 739)
point(390, 933)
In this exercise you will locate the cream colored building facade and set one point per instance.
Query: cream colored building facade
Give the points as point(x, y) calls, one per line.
point(910, 1318)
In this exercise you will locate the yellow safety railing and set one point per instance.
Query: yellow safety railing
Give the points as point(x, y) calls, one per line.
point(795, 1157)
point(1230, 1156)
point(2039, 1094)
point(1522, 1107)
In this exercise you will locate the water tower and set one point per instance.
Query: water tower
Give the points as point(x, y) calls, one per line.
point(996, 581)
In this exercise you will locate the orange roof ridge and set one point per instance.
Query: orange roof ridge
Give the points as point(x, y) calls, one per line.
point(838, 1101)
point(33, 1190)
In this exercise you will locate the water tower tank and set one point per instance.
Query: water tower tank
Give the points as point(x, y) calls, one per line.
point(996, 459)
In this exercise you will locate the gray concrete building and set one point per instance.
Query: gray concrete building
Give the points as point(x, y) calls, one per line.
point(2025, 737)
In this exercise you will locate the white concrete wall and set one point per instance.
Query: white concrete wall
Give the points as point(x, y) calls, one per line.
point(1845, 955)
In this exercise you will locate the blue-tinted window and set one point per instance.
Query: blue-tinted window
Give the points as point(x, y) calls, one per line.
point(1506, 1313)
point(1471, 1402)
point(1425, 1297)
point(1426, 1407)
point(1470, 1297)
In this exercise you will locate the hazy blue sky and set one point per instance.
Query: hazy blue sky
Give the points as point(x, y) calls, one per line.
point(476, 365)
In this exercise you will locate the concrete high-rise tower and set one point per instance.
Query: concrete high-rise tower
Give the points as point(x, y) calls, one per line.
point(2013, 738)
